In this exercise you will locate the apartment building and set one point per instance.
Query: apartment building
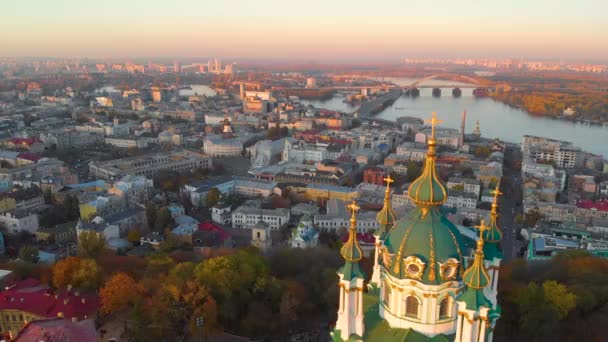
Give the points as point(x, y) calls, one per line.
point(149, 165)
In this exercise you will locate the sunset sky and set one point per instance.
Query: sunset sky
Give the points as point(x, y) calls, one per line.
point(311, 29)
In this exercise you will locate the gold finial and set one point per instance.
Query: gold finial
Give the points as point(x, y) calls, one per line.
point(388, 180)
point(497, 192)
point(434, 121)
point(482, 228)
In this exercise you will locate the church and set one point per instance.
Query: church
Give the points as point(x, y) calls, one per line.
point(431, 280)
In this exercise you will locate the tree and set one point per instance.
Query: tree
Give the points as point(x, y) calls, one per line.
point(163, 220)
point(482, 152)
point(63, 271)
point(29, 254)
point(120, 292)
point(151, 212)
point(77, 272)
point(91, 245)
point(213, 196)
point(562, 301)
point(134, 236)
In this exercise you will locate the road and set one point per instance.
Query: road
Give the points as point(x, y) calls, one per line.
point(509, 208)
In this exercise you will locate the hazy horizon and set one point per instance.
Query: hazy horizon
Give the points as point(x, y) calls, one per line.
point(315, 30)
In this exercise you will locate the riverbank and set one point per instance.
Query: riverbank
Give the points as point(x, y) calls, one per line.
point(592, 110)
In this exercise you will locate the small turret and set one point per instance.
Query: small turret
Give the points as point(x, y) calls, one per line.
point(350, 311)
point(476, 315)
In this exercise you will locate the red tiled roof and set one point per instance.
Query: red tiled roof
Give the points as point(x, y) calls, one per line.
point(29, 156)
point(24, 141)
point(31, 296)
point(601, 205)
point(210, 227)
point(58, 330)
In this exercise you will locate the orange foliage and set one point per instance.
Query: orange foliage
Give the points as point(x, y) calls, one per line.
point(119, 292)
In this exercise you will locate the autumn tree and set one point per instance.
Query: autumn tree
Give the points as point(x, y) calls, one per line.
point(134, 236)
point(120, 292)
point(77, 272)
point(29, 254)
point(91, 245)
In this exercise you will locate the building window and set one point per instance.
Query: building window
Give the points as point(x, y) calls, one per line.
point(411, 306)
point(444, 308)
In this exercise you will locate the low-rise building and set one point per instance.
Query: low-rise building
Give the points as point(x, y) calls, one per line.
point(460, 199)
point(150, 164)
point(28, 300)
point(19, 221)
point(221, 214)
point(247, 217)
point(223, 147)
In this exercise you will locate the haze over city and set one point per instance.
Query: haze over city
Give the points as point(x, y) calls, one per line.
point(318, 30)
point(298, 171)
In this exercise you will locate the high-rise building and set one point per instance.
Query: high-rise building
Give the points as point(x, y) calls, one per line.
point(427, 283)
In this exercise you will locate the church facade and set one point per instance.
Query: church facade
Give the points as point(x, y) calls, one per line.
point(431, 281)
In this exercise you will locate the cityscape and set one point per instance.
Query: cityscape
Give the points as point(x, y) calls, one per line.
point(303, 172)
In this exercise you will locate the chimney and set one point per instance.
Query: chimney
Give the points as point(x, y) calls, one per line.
point(74, 319)
point(462, 126)
point(84, 300)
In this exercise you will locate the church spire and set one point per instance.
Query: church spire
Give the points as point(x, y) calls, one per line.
point(386, 216)
point(427, 190)
point(351, 251)
point(494, 235)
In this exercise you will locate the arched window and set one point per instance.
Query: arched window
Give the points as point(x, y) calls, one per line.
point(411, 306)
point(444, 308)
point(387, 294)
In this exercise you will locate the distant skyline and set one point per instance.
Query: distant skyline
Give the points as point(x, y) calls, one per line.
point(338, 30)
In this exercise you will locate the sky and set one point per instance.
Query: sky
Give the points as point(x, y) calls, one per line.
point(306, 29)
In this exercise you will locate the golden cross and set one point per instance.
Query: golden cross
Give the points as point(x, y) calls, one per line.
point(353, 206)
point(482, 227)
point(434, 121)
point(388, 180)
point(497, 191)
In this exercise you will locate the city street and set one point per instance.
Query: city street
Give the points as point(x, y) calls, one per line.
point(508, 210)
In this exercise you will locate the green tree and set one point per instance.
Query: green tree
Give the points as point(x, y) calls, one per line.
point(92, 245)
point(213, 196)
point(29, 254)
point(163, 220)
point(481, 152)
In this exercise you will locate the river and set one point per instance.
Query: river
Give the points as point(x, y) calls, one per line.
point(496, 119)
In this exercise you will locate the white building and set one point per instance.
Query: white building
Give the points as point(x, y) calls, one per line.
point(135, 189)
point(366, 222)
point(150, 164)
point(460, 199)
point(221, 214)
point(131, 142)
point(562, 153)
point(247, 217)
point(223, 147)
point(470, 186)
point(19, 221)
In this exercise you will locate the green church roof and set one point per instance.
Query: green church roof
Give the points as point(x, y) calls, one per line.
point(427, 234)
